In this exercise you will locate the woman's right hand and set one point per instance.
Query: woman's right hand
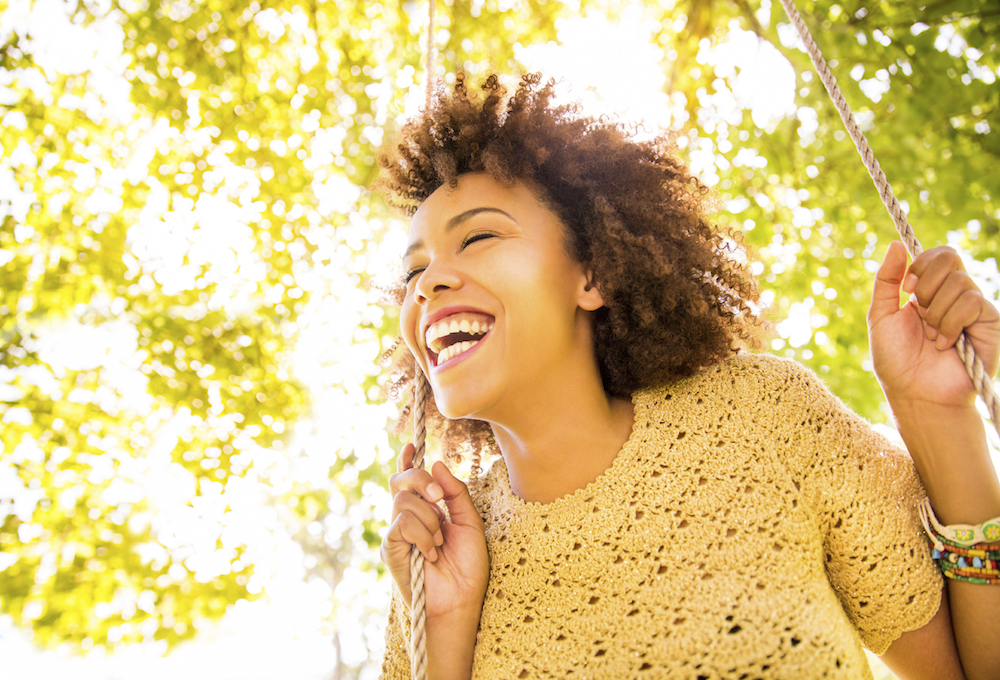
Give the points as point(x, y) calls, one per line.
point(456, 563)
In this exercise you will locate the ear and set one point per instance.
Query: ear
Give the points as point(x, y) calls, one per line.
point(590, 298)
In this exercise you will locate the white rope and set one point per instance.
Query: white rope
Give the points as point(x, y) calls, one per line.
point(973, 364)
point(418, 601)
point(418, 595)
point(429, 64)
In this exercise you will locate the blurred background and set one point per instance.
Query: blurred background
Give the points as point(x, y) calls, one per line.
point(194, 458)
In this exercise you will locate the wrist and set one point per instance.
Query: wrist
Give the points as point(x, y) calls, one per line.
point(461, 619)
point(941, 436)
point(909, 409)
point(949, 448)
point(451, 644)
point(918, 420)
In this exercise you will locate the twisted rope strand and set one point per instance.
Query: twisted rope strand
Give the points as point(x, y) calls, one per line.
point(973, 364)
point(418, 604)
point(418, 595)
point(429, 64)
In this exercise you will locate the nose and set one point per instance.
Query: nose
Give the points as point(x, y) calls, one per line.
point(437, 278)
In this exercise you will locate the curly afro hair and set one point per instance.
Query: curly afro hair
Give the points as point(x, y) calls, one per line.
point(677, 289)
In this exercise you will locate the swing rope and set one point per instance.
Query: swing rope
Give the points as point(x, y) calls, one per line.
point(429, 63)
point(418, 604)
point(418, 599)
point(973, 364)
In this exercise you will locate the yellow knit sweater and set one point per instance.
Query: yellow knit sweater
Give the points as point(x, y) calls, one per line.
point(751, 527)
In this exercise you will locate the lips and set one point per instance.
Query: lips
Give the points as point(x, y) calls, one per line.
point(454, 331)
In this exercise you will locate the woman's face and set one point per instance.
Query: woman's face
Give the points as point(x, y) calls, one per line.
point(495, 308)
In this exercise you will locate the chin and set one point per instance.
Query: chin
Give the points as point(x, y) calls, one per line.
point(456, 407)
point(450, 410)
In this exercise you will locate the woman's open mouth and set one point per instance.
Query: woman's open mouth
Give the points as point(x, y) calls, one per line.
point(456, 335)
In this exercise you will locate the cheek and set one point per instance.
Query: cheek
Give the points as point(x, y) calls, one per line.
point(408, 319)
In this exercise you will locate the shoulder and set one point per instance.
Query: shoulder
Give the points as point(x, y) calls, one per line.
point(744, 377)
point(765, 368)
point(764, 395)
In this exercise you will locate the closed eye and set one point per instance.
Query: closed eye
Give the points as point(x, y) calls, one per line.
point(478, 236)
point(469, 240)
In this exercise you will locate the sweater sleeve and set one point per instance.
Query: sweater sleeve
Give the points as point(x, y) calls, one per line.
point(865, 492)
point(396, 662)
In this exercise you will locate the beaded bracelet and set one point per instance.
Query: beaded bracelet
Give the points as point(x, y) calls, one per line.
point(964, 552)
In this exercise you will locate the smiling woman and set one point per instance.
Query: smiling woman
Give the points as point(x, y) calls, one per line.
point(494, 256)
point(665, 502)
point(630, 210)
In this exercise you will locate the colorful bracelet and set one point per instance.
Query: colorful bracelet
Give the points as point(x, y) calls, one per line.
point(964, 552)
point(960, 535)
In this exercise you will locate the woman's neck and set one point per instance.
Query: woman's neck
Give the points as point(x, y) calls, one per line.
point(563, 442)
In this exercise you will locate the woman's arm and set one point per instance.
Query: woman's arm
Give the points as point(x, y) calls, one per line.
point(961, 493)
point(927, 652)
point(451, 645)
point(933, 403)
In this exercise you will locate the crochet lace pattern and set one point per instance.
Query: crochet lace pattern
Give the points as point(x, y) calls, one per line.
point(751, 527)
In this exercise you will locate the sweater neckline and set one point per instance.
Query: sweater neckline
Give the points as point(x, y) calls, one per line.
point(576, 499)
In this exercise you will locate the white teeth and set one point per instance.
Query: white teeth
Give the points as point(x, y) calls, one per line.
point(454, 350)
point(437, 331)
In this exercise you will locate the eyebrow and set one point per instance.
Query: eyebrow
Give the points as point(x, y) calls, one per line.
point(456, 221)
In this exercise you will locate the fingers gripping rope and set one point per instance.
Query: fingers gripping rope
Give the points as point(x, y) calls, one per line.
point(973, 364)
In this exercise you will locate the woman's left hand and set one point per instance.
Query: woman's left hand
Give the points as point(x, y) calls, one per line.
point(912, 346)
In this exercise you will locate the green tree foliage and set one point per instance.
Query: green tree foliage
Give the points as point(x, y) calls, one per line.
point(232, 125)
point(194, 190)
point(921, 79)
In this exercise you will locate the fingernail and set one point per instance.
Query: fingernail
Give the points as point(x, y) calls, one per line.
point(910, 283)
point(434, 492)
point(438, 538)
point(432, 555)
point(942, 342)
